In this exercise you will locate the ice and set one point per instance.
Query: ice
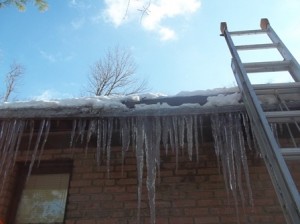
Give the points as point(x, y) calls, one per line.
point(157, 143)
point(81, 129)
point(151, 154)
point(11, 132)
point(181, 122)
point(147, 134)
point(46, 133)
point(196, 136)
point(91, 130)
point(189, 126)
point(165, 133)
point(20, 131)
point(125, 137)
point(247, 128)
point(175, 137)
point(73, 132)
point(31, 128)
point(35, 150)
point(138, 128)
point(231, 151)
point(108, 144)
point(98, 149)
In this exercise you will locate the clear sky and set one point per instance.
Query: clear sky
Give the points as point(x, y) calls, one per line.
point(176, 46)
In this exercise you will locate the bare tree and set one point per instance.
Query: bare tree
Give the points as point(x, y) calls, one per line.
point(21, 4)
point(11, 79)
point(115, 74)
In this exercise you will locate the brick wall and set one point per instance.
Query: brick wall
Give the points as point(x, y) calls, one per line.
point(194, 193)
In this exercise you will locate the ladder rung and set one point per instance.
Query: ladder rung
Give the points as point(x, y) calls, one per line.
point(256, 46)
point(283, 116)
point(291, 153)
point(272, 66)
point(279, 88)
point(247, 32)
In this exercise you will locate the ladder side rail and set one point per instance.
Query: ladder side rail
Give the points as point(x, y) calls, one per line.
point(284, 51)
point(280, 175)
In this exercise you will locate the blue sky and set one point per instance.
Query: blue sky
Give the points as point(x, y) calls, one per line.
point(176, 46)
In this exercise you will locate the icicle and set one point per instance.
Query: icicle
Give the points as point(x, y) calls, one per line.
point(98, 150)
point(31, 128)
point(150, 140)
point(34, 153)
point(90, 132)
point(196, 136)
point(201, 128)
point(7, 152)
point(125, 136)
point(165, 133)
point(4, 130)
point(175, 137)
point(230, 149)
point(74, 125)
point(47, 127)
point(247, 130)
point(108, 144)
point(216, 132)
point(244, 162)
point(157, 133)
point(189, 127)
point(4, 133)
point(181, 122)
point(104, 135)
point(10, 149)
point(139, 150)
point(81, 126)
point(20, 134)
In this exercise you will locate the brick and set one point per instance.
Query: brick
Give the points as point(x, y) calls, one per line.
point(80, 183)
point(78, 197)
point(86, 221)
point(181, 220)
point(184, 203)
point(128, 181)
point(194, 194)
point(114, 189)
point(91, 190)
point(196, 211)
point(207, 220)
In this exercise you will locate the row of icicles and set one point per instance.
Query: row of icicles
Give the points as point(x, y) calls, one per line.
point(231, 132)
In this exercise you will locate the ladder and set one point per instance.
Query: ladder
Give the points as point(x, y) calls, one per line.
point(260, 119)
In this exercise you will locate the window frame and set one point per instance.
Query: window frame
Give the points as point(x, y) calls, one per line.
point(58, 166)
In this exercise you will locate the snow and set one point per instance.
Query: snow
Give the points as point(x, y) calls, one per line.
point(95, 102)
point(221, 99)
point(208, 92)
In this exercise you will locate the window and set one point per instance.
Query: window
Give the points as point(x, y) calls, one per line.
point(42, 198)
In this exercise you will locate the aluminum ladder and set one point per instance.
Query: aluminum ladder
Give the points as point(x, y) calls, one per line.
point(260, 119)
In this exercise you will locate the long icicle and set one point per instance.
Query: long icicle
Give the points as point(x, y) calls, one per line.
point(34, 154)
point(138, 126)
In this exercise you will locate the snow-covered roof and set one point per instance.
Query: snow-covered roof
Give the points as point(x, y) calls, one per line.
point(196, 102)
point(121, 105)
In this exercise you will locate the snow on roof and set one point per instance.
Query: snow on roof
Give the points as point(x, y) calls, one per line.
point(195, 102)
point(140, 101)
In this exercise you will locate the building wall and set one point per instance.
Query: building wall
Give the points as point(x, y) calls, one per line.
point(192, 193)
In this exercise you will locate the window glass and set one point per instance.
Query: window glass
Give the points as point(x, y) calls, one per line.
point(43, 199)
